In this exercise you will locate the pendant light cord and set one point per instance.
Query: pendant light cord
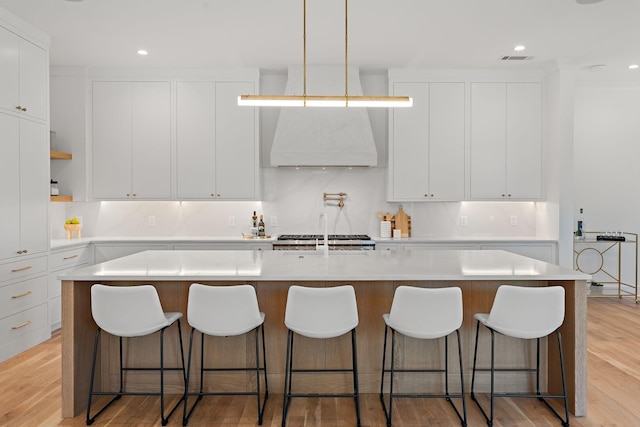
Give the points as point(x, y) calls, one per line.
point(304, 50)
point(346, 52)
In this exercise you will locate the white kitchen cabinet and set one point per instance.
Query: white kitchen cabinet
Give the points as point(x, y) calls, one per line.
point(24, 169)
point(60, 262)
point(24, 76)
point(23, 305)
point(131, 140)
point(506, 141)
point(427, 143)
point(217, 143)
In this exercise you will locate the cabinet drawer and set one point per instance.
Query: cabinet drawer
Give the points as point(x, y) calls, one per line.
point(23, 330)
point(22, 295)
point(22, 268)
point(68, 258)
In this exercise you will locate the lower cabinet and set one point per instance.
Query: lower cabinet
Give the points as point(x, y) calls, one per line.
point(23, 305)
point(60, 262)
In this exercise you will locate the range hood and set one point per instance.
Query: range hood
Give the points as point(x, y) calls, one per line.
point(316, 136)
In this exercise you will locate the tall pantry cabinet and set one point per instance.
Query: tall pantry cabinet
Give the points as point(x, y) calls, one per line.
point(24, 168)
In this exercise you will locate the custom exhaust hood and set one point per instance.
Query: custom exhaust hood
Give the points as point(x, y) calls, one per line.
point(335, 136)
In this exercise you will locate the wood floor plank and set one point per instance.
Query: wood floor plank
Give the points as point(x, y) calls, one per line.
point(30, 391)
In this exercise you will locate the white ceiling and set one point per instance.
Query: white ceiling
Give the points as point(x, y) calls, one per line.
point(382, 33)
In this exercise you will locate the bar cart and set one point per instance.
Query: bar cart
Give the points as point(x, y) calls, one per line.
point(611, 258)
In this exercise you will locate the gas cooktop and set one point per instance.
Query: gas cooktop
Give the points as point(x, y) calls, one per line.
point(321, 237)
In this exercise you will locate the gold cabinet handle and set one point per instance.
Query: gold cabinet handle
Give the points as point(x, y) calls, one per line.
point(71, 257)
point(22, 325)
point(24, 108)
point(16, 270)
point(19, 107)
point(21, 295)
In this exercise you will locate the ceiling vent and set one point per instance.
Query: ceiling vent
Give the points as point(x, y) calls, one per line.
point(516, 58)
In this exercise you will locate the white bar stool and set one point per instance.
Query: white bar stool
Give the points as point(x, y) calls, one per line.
point(320, 313)
point(224, 311)
point(525, 313)
point(131, 311)
point(425, 314)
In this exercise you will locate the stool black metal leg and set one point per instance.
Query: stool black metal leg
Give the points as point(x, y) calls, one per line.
point(287, 378)
point(185, 416)
point(464, 403)
point(565, 423)
point(164, 420)
point(356, 388)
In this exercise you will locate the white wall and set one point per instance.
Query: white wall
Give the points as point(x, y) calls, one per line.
point(607, 151)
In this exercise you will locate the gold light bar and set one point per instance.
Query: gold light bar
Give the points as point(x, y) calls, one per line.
point(305, 100)
point(324, 101)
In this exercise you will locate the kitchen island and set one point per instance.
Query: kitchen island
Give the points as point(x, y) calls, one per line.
point(374, 275)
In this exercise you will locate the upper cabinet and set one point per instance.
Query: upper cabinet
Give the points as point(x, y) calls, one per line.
point(131, 134)
point(216, 142)
point(24, 209)
point(24, 77)
point(175, 139)
point(427, 143)
point(465, 139)
point(506, 141)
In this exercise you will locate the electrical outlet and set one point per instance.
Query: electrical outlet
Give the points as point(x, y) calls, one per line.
point(151, 221)
point(274, 221)
point(231, 221)
point(513, 220)
point(463, 220)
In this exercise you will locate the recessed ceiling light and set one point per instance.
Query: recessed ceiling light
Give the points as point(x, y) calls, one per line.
point(597, 67)
point(588, 1)
point(519, 48)
point(142, 52)
point(633, 66)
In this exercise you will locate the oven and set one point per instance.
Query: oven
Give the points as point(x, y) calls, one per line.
point(337, 242)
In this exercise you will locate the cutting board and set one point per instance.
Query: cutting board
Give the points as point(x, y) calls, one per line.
point(403, 222)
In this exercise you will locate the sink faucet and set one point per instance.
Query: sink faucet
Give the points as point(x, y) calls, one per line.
point(323, 219)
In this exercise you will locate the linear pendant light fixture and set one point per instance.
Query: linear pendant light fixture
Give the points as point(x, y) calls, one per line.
point(305, 100)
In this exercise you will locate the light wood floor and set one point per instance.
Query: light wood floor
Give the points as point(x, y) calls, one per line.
point(30, 391)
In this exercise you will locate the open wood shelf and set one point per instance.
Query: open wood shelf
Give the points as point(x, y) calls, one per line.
point(60, 155)
point(62, 198)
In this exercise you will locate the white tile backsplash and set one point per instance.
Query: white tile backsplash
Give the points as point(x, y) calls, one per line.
point(294, 196)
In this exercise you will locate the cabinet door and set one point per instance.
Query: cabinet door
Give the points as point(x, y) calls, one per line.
point(9, 173)
point(524, 140)
point(151, 140)
point(34, 190)
point(409, 151)
point(446, 141)
point(34, 80)
point(488, 140)
point(9, 70)
point(131, 140)
point(236, 158)
point(111, 120)
point(24, 76)
point(195, 131)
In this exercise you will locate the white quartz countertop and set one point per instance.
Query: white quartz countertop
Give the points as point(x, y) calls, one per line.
point(310, 265)
point(69, 243)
